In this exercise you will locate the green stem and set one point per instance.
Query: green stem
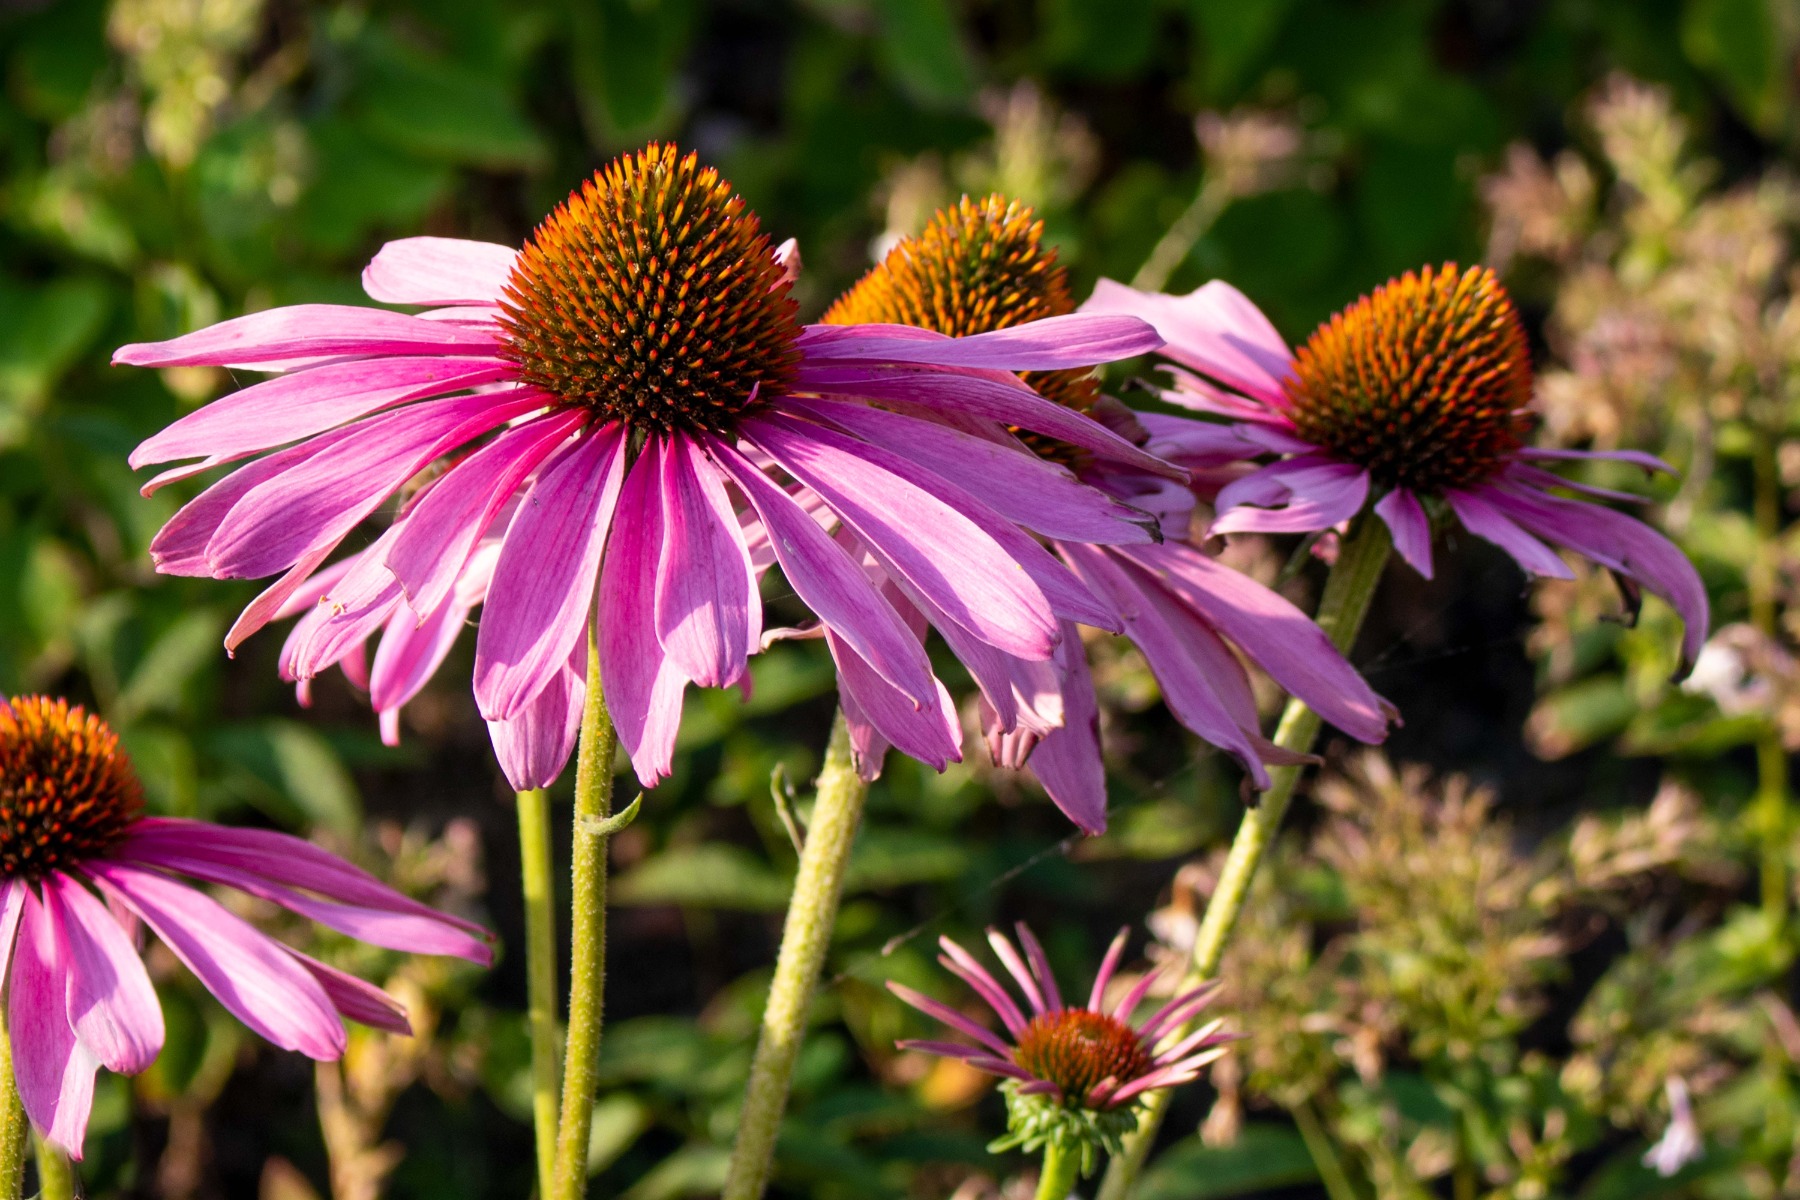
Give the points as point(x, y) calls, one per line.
point(56, 1179)
point(1771, 804)
point(1179, 240)
point(1062, 1167)
point(1348, 592)
point(587, 936)
point(1324, 1154)
point(540, 974)
point(805, 938)
point(15, 1129)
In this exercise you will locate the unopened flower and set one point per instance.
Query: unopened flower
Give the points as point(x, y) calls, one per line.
point(637, 381)
point(1074, 1075)
point(81, 866)
point(1418, 392)
point(979, 267)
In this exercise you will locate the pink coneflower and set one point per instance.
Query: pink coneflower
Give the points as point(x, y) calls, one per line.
point(1087, 1063)
point(638, 371)
point(981, 266)
point(80, 867)
point(1416, 396)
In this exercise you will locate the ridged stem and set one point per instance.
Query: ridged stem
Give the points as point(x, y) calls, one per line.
point(805, 938)
point(535, 868)
point(56, 1178)
point(587, 936)
point(1062, 1167)
point(15, 1129)
point(1348, 592)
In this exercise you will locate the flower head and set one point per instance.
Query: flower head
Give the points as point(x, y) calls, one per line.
point(80, 866)
point(1073, 1074)
point(1416, 397)
point(981, 266)
point(629, 411)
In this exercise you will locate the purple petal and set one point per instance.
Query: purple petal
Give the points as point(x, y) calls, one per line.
point(1040, 966)
point(275, 599)
point(920, 536)
point(306, 331)
point(1636, 458)
point(1020, 486)
point(539, 602)
point(1022, 693)
point(707, 611)
point(1276, 636)
point(439, 532)
point(1406, 520)
point(959, 963)
point(1538, 478)
point(930, 733)
point(12, 909)
point(1067, 761)
point(1178, 1010)
point(1483, 518)
point(1623, 544)
point(435, 270)
point(54, 1071)
point(411, 651)
point(987, 396)
point(1215, 330)
point(1312, 494)
point(941, 1049)
point(1015, 966)
point(1130, 1000)
point(357, 999)
point(299, 405)
point(534, 747)
point(1051, 344)
point(1108, 965)
point(250, 973)
point(831, 584)
point(111, 1004)
point(950, 1017)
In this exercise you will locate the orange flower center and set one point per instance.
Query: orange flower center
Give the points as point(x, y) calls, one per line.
point(977, 267)
point(652, 296)
point(1424, 382)
point(1076, 1048)
point(67, 792)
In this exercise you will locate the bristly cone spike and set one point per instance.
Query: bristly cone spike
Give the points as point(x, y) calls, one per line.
point(67, 791)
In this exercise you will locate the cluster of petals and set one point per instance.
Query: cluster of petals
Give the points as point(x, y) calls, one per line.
point(79, 997)
point(1179, 1061)
point(1231, 364)
point(663, 533)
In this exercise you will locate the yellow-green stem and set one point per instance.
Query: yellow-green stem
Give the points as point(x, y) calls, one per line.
point(587, 936)
point(1324, 1154)
point(535, 872)
point(1770, 812)
point(1172, 249)
point(805, 938)
point(56, 1178)
point(15, 1129)
point(1062, 1167)
point(1348, 592)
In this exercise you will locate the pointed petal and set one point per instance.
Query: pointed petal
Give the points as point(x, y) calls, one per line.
point(1406, 520)
point(534, 747)
point(931, 733)
point(1108, 965)
point(1040, 966)
point(708, 614)
point(53, 1070)
point(1481, 517)
point(1067, 760)
point(949, 1016)
point(307, 331)
point(111, 1005)
point(436, 270)
point(357, 999)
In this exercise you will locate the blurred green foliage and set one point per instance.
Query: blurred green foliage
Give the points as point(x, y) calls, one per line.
point(167, 163)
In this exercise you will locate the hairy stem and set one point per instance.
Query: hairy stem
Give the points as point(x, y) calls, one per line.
point(587, 936)
point(805, 938)
point(540, 974)
point(15, 1129)
point(1062, 1167)
point(1348, 592)
point(56, 1178)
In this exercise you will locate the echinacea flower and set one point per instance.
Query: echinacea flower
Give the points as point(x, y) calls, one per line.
point(979, 267)
point(1416, 397)
point(81, 866)
point(1072, 1074)
point(631, 378)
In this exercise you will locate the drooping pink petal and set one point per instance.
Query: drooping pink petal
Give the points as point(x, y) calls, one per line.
point(1021, 692)
point(111, 1004)
point(251, 974)
point(1538, 478)
point(534, 747)
point(986, 395)
point(357, 999)
point(1025, 489)
point(1108, 965)
point(1067, 760)
point(410, 651)
point(275, 599)
point(306, 331)
point(303, 403)
point(1406, 520)
point(1312, 494)
point(538, 605)
point(949, 1016)
point(12, 909)
point(437, 270)
point(1622, 544)
point(54, 1071)
point(930, 733)
point(920, 537)
point(1481, 517)
point(1051, 344)
point(1636, 458)
point(832, 585)
point(1215, 330)
point(438, 534)
point(1276, 636)
point(708, 614)
point(348, 615)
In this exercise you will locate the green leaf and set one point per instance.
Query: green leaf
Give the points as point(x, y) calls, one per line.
point(626, 54)
point(694, 1170)
point(300, 770)
point(1264, 1156)
point(1579, 715)
point(710, 875)
point(1740, 43)
point(182, 649)
point(921, 46)
point(893, 857)
point(441, 110)
point(45, 331)
point(1233, 37)
point(1104, 40)
point(618, 1121)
